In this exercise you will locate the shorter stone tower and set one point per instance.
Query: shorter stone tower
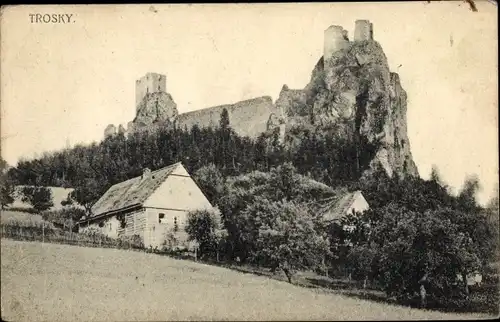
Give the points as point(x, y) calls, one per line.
point(335, 39)
point(149, 83)
point(363, 30)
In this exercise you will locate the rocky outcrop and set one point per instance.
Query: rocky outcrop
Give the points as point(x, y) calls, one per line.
point(109, 131)
point(356, 95)
point(156, 107)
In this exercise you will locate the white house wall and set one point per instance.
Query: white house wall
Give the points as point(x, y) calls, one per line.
point(109, 227)
point(178, 192)
point(359, 204)
point(174, 198)
point(157, 232)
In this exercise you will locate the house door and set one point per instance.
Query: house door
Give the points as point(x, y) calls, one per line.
point(152, 235)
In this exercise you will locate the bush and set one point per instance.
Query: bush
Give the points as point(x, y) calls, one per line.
point(65, 217)
point(134, 242)
point(204, 227)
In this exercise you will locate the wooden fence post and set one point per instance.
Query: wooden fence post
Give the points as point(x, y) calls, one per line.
point(196, 254)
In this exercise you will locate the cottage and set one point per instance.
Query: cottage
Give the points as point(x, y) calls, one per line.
point(153, 206)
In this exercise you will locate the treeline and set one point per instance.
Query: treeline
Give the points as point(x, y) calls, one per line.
point(93, 168)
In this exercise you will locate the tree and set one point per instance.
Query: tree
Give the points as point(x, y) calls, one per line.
point(410, 253)
point(283, 183)
point(203, 227)
point(224, 120)
point(6, 187)
point(87, 193)
point(286, 237)
point(492, 214)
point(225, 134)
point(6, 193)
point(211, 182)
point(40, 198)
point(467, 196)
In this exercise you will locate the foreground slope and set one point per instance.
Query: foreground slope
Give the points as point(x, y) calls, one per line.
point(60, 282)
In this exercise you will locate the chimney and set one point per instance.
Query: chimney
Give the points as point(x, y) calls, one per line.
point(146, 173)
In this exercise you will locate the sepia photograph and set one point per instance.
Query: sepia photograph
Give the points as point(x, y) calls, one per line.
point(251, 162)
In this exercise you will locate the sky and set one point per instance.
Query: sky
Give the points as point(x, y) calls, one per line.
point(62, 84)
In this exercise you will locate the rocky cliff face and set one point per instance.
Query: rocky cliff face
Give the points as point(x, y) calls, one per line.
point(355, 95)
point(156, 107)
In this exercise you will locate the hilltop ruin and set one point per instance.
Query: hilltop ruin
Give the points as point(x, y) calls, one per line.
point(351, 90)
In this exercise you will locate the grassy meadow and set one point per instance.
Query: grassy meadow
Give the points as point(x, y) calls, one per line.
point(42, 281)
point(22, 218)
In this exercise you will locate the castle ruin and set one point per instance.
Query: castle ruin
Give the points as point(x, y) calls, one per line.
point(336, 38)
point(149, 83)
point(363, 30)
point(156, 107)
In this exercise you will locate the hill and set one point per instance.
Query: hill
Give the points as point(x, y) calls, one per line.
point(59, 282)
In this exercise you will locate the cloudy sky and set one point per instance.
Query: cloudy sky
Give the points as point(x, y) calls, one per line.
point(63, 83)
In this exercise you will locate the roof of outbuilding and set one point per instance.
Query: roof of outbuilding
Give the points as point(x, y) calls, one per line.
point(336, 207)
point(133, 192)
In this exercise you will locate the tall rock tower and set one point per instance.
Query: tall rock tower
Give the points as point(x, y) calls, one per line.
point(353, 94)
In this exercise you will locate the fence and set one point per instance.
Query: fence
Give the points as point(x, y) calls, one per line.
point(50, 235)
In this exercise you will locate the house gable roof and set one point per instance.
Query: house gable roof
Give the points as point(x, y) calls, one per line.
point(335, 208)
point(133, 192)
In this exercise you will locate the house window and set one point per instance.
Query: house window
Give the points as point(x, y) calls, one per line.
point(176, 226)
point(109, 226)
point(161, 218)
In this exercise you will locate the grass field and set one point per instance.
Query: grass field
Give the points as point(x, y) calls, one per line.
point(61, 282)
point(28, 219)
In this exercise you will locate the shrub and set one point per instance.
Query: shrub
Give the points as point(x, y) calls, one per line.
point(66, 217)
point(204, 227)
point(134, 241)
